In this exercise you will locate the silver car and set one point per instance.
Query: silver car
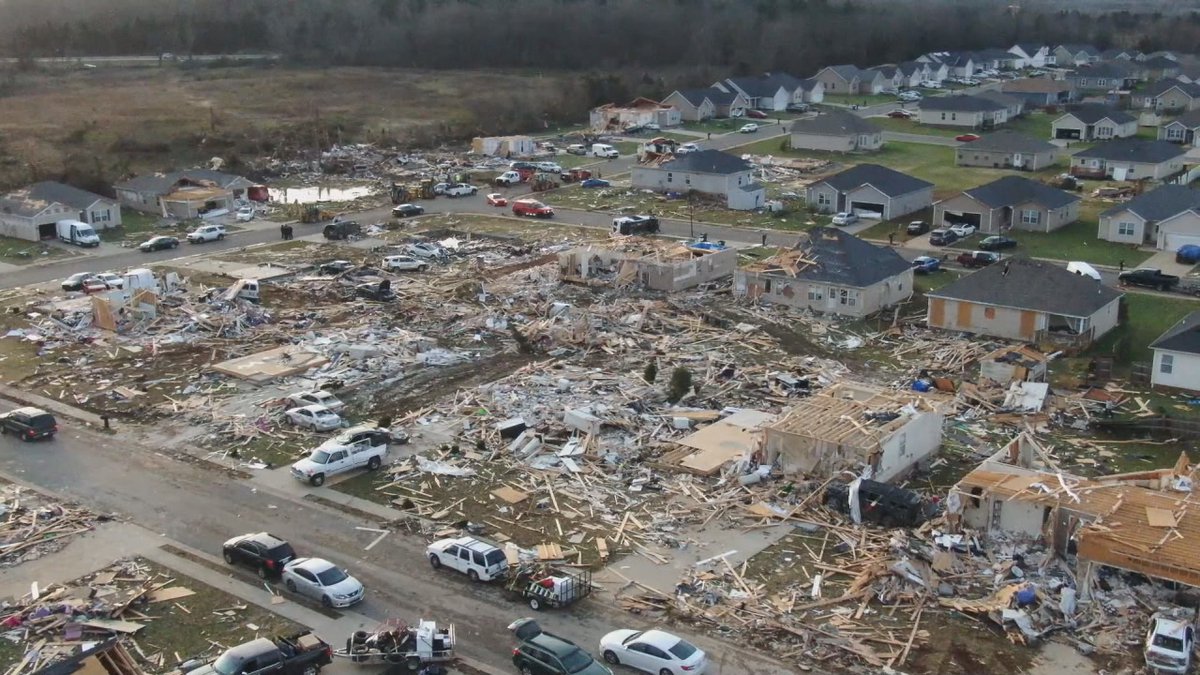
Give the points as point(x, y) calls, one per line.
point(322, 580)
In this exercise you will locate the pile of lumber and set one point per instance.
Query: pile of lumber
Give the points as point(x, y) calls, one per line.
point(32, 525)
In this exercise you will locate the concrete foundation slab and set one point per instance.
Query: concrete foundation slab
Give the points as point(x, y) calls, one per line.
point(262, 367)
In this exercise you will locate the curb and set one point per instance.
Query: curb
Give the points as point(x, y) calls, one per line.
point(50, 405)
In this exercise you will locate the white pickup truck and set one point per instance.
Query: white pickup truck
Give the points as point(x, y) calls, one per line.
point(355, 447)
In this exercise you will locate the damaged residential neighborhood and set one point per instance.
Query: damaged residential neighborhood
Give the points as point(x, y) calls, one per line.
point(369, 354)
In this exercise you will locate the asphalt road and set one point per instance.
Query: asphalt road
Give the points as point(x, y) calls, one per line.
point(201, 507)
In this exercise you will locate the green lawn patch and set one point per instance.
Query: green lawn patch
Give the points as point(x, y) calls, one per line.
point(859, 99)
point(1076, 241)
point(1147, 133)
point(626, 147)
point(22, 252)
point(909, 126)
point(715, 126)
point(1035, 124)
point(676, 136)
point(924, 283)
point(137, 226)
point(1148, 316)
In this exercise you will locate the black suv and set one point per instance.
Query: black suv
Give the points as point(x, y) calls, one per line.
point(29, 423)
point(542, 653)
point(264, 552)
point(881, 503)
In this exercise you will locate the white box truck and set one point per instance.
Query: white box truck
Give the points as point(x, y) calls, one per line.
point(77, 232)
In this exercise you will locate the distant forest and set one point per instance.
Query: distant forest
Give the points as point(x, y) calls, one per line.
point(736, 36)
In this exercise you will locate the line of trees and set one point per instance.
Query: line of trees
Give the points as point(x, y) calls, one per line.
point(739, 36)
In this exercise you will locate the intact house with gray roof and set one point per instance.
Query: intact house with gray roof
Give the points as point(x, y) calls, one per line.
point(913, 73)
point(1177, 356)
point(801, 90)
point(1027, 300)
point(1102, 78)
point(843, 79)
point(694, 105)
point(727, 102)
point(1129, 159)
point(183, 194)
point(1121, 55)
point(1066, 56)
point(1007, 149)
point(1183, 129)
point(836, 131)
point(1167, 96)
point(1093, 122)
point(1160, 66)
point(871, 191)
point(1040, 92)
point(843, 275)
point(1014, 106)
point(970, 112)
point(761, 93)
point(1167, 217)
point(31, 212)
point(709, 172)
point(1009, 203)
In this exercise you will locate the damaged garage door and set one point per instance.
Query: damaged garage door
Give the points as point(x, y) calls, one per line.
point(867, 210)
point(961, 217)
point(1067, 134)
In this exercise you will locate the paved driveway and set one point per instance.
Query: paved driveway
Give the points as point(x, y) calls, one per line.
point(1165, 261)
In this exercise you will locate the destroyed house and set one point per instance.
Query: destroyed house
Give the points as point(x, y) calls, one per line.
point(183, 194)
point(831, 271)
point(1020, 363)
point(637, 113)
point(1027, 300)
point(853, 425)
point(660, 267)
point(1138, 522)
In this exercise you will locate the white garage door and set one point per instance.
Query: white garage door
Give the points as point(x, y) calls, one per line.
point(1174, 240)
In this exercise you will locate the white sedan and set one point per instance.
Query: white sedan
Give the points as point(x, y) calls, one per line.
point(111, 280)
point(845, 218)
point(315, 417)
point(317, 397)
point(962, 230)
point(653, 651)
point(748, 128)
point(322, 580)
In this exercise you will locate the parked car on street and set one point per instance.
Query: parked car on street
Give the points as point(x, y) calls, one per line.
point(931, 84)
point(159, 243)
point(477, 559)
point(577, 149)
point(748, 128)
point(404, 263)
point(925, 264)
point(461, 190)
point(298, 654)
point(110, 280)
point(77, 281)
point(548, 167)
point(321, 580)
point(963, 230)
point(917, 227)
point(973, 259)
point(797, 107)
point(594, 183)
point(845, 218)
point(407, 210)
point(942, 237)
point(205, 233)
point(756, 114)
point(533, 208)
point(315, 417)
point(997, 242)
point(901, 113)
point(263, 552)
point(28, 423)
point(317, 397)
point(354, 448)
point(496, 199)
point(1147, 277)
point(967, 138)
point(652, 651)
point(541, 653)
point(1188, 254)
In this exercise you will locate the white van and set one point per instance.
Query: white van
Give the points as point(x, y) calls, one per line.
point(140, 278)
point(604, 150)
point(1083, 269)
point(77, 232)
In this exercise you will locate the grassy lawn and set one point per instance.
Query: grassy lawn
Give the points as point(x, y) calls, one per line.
point(22, 252)
point(1147, 133)
point(908, 126)
point(1076, 241)
point(1148, 317)
point(923, 283)
point(682, 138)
point(715, 126)
point(1035, 124)
point(860, 99)
point(136, 226)
point(626, 147)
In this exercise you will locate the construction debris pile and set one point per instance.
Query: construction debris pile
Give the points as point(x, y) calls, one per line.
point(35, 525)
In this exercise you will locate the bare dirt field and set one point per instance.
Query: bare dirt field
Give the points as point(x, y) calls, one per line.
point(109, 122)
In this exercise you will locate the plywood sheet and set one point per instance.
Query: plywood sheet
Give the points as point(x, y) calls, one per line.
point(1156, 517)
point(510, 495)
point(172, 593)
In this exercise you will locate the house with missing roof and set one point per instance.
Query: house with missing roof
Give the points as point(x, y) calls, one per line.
point(1167, 96)
point(1177, 355)
point(1009, 203)
point(1093, 122)
point(1168, 217)
point(970, 112)
point(1139, 522)
point(1006, 149)
point(852, 426)
point(832, 272)
point(709, 172)
point(1027, 300)
point(1040, 92)
point(836, 131)
point(183, 194)
point(637, 113)
point(1129, 159)
point(871, 191)
point(31, 212)
point(694, 105)
point(1183, 129)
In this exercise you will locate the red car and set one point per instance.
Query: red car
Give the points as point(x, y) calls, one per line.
point(496, 199)
point(756, 114)
point(901, 114)
point(967, 138)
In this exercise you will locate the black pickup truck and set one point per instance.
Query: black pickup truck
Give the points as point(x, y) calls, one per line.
point(1148, 278)
point(300, 654)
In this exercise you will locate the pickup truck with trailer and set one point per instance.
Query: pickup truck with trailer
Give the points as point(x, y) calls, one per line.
point(300, 654)
point(1148, 277)
point(396, 642)
point(635, 225)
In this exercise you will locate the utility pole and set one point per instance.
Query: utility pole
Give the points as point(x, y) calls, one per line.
point(691, 217)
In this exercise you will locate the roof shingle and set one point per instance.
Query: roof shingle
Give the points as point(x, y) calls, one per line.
point(1021, 283)
point(1182, 337)
point(835, 123)
point(888, 181)
point(1014, 190)
point(708, 161)
point(1132, 150)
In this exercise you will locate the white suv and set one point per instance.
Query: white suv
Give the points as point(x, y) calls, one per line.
point(479, 560)
point(206, 233)
point(404, 263)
